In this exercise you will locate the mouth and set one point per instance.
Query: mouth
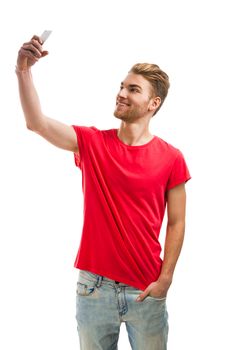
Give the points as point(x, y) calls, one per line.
point(122, 104)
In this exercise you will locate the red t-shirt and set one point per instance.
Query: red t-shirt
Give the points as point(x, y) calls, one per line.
point(124, 204)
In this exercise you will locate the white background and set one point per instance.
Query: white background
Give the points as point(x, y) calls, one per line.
point(92, 47)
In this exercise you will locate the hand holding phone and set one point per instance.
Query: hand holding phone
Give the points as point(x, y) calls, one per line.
point(32, 51)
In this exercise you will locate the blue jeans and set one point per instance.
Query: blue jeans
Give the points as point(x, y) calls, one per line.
point(103, 304)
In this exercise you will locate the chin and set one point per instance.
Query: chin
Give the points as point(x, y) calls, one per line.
point(119, 116)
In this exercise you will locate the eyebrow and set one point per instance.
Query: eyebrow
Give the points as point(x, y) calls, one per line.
point(132, 85)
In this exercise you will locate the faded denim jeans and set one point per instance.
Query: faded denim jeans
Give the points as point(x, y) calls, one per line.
point(103, 304)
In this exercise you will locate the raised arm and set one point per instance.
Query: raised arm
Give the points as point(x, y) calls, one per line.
point(59, 134)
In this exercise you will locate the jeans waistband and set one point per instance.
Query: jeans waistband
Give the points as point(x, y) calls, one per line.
point(93, 277)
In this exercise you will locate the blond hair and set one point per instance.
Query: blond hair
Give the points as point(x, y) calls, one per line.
point(158, 79)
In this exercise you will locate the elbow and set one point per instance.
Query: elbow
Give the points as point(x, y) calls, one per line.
point(36, 127)
point(29, 127)
point(32, 127)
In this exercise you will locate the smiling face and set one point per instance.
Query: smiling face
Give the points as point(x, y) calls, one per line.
point(135, 99)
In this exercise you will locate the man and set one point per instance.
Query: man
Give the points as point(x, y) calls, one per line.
point(129, 178)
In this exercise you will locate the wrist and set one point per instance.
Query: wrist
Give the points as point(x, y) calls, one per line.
point(165, 279)
point(19, 70)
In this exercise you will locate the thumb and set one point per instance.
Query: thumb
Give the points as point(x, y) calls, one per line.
point(143, 295)
point(44, 53)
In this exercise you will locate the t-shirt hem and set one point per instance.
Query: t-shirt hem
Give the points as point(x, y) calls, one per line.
point(178, 182)
point(114, 277)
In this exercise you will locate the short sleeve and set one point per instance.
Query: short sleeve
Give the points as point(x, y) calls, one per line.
point(179, 173)
point(83, 133)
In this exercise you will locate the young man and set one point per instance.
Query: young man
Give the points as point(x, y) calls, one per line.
point(129, 178)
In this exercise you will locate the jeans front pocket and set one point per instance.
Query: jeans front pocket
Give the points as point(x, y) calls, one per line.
point(85, 290)
point(162, 299)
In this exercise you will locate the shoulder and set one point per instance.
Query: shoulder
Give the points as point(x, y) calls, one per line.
point(85, 132)
point(167, 147)
point(92, 129)
point(85, 129)
point(92, 133)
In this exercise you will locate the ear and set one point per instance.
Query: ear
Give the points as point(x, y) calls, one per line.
point(154, 103)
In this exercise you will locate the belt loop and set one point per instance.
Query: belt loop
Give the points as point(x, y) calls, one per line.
point(99, 281)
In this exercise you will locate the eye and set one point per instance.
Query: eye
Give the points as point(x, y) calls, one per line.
point(133, 89)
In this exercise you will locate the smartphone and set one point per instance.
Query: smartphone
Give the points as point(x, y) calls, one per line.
point(44, 36)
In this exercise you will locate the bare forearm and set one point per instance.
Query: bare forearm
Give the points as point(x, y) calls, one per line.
point(29, 100)
point(173, 244)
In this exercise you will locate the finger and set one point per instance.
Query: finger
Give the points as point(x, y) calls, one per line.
point(30, 47)
point(37, 45)
point(37, 38)
point(28, 54)
point(44, 53)
point(33, 44)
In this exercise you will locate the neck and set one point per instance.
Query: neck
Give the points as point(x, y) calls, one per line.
point(134, 134)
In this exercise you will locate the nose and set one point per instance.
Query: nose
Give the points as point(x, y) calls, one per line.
point(122, 93)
